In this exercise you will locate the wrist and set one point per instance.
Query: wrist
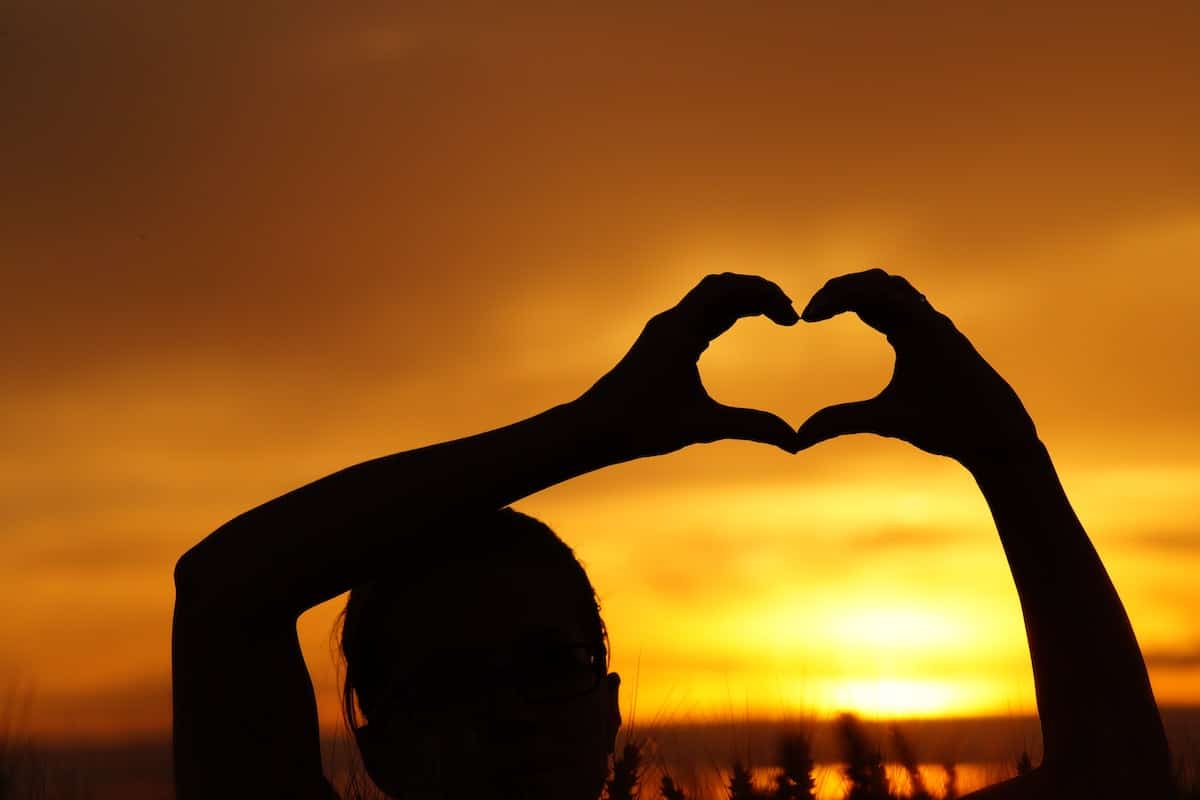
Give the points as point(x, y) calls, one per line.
point(1018, 469)
point(1011, 454)
point(591, 434)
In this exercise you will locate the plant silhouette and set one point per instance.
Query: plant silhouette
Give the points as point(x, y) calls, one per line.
point(864, 769)
point(795, 780)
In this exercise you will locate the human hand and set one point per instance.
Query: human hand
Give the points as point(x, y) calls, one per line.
point(943, 396)
point(653, 402)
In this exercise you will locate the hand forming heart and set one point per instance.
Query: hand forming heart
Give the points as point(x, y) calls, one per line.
point(653, 401)
point(943, 396)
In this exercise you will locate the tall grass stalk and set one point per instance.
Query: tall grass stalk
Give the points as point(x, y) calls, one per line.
point(951, 790)
point(670, 791)
point(625, 783)
point(741, 787)
point(795, 780)
point(907, 757)
point(864, 762)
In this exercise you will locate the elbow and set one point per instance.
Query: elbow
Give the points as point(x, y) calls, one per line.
point(186, 578)
point(197, 586)
point(188, 603)
point(213, 588)
point(204, 572)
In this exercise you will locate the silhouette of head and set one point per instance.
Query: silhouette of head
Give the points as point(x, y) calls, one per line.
point(480, 665)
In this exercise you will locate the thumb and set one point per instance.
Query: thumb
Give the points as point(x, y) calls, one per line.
point(750, 424)
point(863, 416)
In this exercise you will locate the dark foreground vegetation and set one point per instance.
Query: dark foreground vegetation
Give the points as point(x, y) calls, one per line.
point(863, 758)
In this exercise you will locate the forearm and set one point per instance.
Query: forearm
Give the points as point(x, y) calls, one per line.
point(1093, 693)
point(319, 540)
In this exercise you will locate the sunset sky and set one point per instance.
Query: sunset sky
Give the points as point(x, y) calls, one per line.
point(243, 246)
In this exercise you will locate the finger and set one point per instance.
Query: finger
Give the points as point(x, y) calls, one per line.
point(749, 424)
point(863, 416)
point(888, 303)
point(718, 301)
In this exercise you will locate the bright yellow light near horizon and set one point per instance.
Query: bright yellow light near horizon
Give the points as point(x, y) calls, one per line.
point(894, 697)
point(884, 696)
point(779, 694)
point(906, 660)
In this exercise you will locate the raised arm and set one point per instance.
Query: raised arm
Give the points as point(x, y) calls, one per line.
point(245, 721)
point(1101, 730)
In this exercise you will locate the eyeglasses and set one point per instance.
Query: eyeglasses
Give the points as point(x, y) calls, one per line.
point(540, 671)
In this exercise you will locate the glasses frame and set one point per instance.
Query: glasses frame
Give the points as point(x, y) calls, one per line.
point(395, 702)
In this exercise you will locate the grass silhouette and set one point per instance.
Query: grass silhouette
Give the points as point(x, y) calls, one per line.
point(864, 762)
point(794, 775)
point(950, 792)
point(669, 790)
point(25, 771)
point(625, 783)
point(908, 759)
point(795, 780)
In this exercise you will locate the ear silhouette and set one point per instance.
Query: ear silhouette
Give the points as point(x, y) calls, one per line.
point(614, 712)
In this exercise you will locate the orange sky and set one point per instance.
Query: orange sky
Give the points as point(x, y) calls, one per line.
point(243, 248)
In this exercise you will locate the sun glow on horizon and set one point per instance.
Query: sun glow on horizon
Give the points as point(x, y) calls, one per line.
point(728, 697)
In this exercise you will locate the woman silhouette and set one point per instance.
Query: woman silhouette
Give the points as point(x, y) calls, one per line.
point(473, 641)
